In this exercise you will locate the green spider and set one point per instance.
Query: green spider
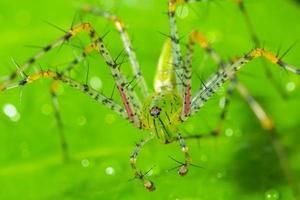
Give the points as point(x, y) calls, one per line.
point(172, 102)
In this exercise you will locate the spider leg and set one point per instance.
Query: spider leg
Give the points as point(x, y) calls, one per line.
point(194, 38)
point(33, 59)
point(22, 68)
point(199, 38)
point(183, 170)
point(63, 141)
point(98, 96)
point(149, 185)
point(218, 79)
point(119, 25)
point(267, 124)
point(176, 50)
point(257, 43)
point(129, 98)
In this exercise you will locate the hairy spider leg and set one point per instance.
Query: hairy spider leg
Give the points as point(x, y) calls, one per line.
point(198, 37)
point(183, 170)
point(263, 118)
point(129, 98)
point(194, 38)
point(177, 60)
point(121, 28)
point(218, 79)
point(98, 96)
point(55, 105)
point(149, 185)
point(257, 43)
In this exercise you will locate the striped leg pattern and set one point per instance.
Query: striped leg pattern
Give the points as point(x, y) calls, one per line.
point(99, 97)
point(257, 43)
point(129, 98)
point(149, 185)
point(218, 79)
point(119, 25)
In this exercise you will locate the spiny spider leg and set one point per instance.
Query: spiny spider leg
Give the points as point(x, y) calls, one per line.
point(265, 121)
point(33, 59)
point(86, 51)
point(194, 38)
point(129, 98)
point(149, 185)
point(184, 168)
point(119, 25)
point(99, 97)
point(22, 68)
point(198, 37)
point(176, 50)
point(257, 43)
point(218, 79)
point(267, 124)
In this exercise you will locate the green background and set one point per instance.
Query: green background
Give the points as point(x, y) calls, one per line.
point(241, 164)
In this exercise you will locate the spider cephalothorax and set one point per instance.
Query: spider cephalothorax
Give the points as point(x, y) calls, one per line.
point(161, 114)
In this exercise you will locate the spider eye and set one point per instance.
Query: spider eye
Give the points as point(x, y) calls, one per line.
point(155, 111)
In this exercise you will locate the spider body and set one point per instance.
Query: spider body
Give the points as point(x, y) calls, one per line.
point(161, 114)
point(162, 109)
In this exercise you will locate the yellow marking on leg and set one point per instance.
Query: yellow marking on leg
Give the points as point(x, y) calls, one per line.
point(173, 4)
point(268, 55)
point(45, 74)
point(197, 36)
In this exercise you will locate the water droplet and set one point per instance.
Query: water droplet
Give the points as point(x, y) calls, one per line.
point(109, 118)
point(272, 194)
point(110, 171)
point(229, 132)
point(182, 11)
point(96, 83)
point(290, 86)
point(81, 121)
point(85, 163)
point(11, 112)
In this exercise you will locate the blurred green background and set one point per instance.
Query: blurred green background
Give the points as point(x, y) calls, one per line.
point(241, 164)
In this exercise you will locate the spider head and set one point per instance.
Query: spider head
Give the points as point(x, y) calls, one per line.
point(161, 113)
